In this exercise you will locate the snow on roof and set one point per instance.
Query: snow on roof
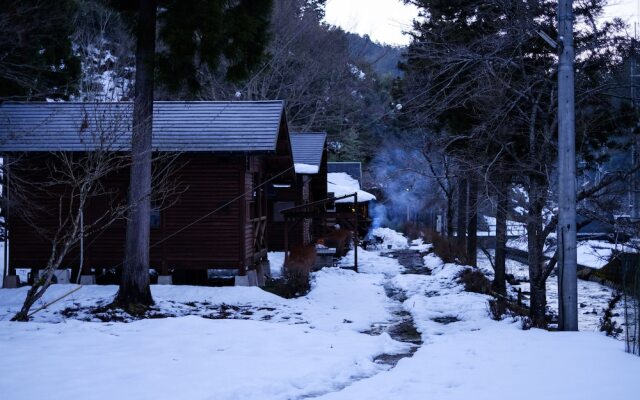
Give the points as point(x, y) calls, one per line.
point(342, 184)
point(306, 168)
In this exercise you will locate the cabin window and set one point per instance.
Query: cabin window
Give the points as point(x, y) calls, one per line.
point(154, 216)
point(279, 206)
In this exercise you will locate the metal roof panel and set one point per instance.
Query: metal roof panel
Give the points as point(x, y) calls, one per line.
point(238, 126)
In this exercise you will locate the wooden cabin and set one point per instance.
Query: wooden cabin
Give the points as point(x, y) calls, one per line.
point(225, 155)
point(345, 178)
point(310, 157)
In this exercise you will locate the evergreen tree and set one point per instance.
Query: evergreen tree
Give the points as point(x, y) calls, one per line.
point(478, 71)
point(36, 58)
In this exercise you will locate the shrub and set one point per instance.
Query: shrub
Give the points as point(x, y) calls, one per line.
point(412, 230)
point(293, 283)
point(607, 324)
point(526, 323)
point(475, 281)
point(450, 250)
point(497, 309)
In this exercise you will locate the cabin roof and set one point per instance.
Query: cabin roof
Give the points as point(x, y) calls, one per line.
point(342, 184)
point(352, 168)
point(308, 147)
point(194, 126)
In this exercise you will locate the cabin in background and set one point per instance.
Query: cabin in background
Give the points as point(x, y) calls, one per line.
point(345, 178)
point(310, 157)
point(227, 156)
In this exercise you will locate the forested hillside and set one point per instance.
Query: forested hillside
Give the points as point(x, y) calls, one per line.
point(331, 80)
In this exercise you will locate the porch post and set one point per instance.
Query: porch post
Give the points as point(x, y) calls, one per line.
point(286, 238)
point(355, 235)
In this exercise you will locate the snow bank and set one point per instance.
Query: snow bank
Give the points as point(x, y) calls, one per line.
point(420, 245)
point(595, 253)
point(342, 184)
point(305, 168)
point(391, 238)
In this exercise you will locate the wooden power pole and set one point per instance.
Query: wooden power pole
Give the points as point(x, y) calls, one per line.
point(567, 256)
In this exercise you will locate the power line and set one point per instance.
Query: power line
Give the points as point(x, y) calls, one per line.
point(199, 219)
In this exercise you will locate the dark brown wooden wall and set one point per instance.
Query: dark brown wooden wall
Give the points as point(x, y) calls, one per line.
point(276, 229)
point(218, 241)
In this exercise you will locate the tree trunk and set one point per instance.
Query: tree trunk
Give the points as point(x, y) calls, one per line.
point(499, 280)
point(472, 223)
point(449, 215)
point(462, 211)
point(538, 297)
point(33, 295)
point(135, 292)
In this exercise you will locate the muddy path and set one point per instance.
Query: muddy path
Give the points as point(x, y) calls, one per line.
point(402, 327)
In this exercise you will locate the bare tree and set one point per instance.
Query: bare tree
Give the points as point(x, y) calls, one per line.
point(63, 184)
point(68, 196)
point(494, 89)
point(310, 67)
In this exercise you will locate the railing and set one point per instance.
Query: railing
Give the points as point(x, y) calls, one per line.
point(512, 231)
point(259, 226)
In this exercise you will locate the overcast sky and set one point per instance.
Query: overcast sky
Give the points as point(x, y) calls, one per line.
point(384, 20)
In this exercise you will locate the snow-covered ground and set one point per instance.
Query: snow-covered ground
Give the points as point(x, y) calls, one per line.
point(244, 343)
point(591, 253)
point(391, 239)
point(514, 228)
point(478, 358)
point(593, 298)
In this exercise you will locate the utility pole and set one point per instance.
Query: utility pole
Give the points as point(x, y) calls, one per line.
point(567, 256)
point(633, 77)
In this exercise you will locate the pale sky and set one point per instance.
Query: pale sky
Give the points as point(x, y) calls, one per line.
point(384, 20)
point(625, 9)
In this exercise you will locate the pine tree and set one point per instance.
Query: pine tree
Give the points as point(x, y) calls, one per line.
point(36, 57)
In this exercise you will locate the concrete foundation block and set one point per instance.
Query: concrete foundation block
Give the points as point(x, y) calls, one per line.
point(11, 282)
point(241, 280)
point(87, 279)
point(61, 276)
point(165, 280)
